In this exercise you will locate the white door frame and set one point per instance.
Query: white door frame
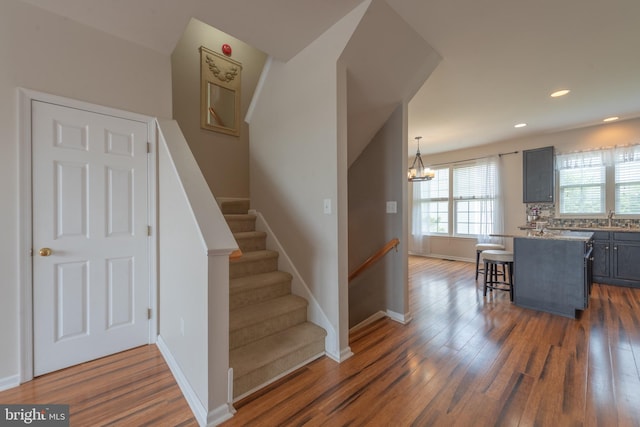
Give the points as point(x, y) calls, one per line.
point(25, 216)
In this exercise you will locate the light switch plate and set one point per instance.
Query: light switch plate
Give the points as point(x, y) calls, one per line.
point(327, 206)
point(392, 207)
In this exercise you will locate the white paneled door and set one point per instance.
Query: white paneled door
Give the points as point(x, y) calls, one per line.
point(91, 259)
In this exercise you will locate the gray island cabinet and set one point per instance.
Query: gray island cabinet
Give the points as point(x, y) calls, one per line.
point(552, 272)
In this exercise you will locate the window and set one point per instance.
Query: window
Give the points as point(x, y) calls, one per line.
point(594, 183)
point(581, 181)
point(474, 193)
point(460, 200)
point(627, 181)
point(434, 203)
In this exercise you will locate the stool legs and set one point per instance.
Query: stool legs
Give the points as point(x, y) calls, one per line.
point(491, 274)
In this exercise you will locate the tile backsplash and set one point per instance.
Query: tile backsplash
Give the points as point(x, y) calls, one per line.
point(546, 212)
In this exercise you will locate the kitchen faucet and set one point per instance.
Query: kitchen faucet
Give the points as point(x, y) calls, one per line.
point(610, 216)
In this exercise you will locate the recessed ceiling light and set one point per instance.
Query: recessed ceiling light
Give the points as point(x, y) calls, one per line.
point(520, 125)
point(611, 119)
point(558, 93)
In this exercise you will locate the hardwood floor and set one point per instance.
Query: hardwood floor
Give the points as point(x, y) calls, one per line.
point(464, 360)
point(132, 388)
point(469, 361)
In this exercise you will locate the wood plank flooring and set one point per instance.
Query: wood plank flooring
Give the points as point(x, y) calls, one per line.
point(467, 360)
point(464, 360)
point(132, 388)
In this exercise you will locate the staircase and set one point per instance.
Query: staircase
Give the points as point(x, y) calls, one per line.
point(268, 330)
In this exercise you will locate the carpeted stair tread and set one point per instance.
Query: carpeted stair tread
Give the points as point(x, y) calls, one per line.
point(234, 206)
point(256, 314)
point(254, 256)
point(250, 241)
point(250, 263)
point(249, 234)
point(241, 222)
point(258, 288)
point(249, 283)
point(266, 350)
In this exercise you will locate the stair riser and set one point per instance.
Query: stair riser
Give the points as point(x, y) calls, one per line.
point(251, 244)
point(235, 207)
point(268, 327)
point(265, 373)
point(242, 224)
point(259, 295)
point(241, 269)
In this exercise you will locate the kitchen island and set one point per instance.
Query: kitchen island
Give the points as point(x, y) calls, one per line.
point(553, 271)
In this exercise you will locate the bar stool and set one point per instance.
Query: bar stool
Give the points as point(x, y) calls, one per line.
point(491, 259)
point(485, 247)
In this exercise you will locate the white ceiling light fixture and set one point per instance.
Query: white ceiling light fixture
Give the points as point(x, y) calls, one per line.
point(520, 125)
point(560, 93)
point(417, 171)
point(611, 119)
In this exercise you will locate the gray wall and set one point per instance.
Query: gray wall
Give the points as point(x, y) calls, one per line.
point(375, 178)
point(223, 159)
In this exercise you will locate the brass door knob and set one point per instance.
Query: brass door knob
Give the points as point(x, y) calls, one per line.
point(45, 252)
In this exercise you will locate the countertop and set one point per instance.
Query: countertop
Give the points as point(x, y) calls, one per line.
point(592, 229)
point(548, 234)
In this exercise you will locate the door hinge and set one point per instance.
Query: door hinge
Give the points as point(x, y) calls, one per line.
point(148, 313)
point(148, 230)
point(148, 147)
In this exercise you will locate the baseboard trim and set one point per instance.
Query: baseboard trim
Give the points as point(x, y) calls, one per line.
point(445, 257)
point(400, 318)
point(375, 316)
point(396, 317)
point(9, 382)
point(212, 418)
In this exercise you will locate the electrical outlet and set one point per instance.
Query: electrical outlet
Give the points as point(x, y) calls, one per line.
point(392, 207)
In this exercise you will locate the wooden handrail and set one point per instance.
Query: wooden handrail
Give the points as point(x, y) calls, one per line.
point(393, 243)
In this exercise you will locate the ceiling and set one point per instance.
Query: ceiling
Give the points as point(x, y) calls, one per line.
point(500, 58)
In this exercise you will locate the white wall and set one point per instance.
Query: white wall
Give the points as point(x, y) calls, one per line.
point(51, 54)
point(605, 135)
point(297, 145)
point(183, 272)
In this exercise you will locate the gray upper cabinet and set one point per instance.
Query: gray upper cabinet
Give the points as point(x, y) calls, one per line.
point(538, 175)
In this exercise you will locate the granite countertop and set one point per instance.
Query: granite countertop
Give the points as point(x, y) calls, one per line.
point(605, 228)
point(592, 229)
point(551, 235)
point(558, 235)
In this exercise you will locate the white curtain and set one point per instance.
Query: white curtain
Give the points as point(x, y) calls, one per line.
point(418, 242)
point(584, 159)
point(490, 188)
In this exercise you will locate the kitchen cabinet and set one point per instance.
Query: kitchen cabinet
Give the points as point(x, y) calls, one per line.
point(601, 256)
point(553, 274)
point(538, 175)
point(616, 258)
point(626, 258)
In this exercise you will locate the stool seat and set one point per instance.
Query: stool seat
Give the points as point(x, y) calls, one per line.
point(480, 247)
point(497, 255)
point(489, 246)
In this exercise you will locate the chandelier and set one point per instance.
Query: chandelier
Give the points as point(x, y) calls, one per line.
point(417, 171)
